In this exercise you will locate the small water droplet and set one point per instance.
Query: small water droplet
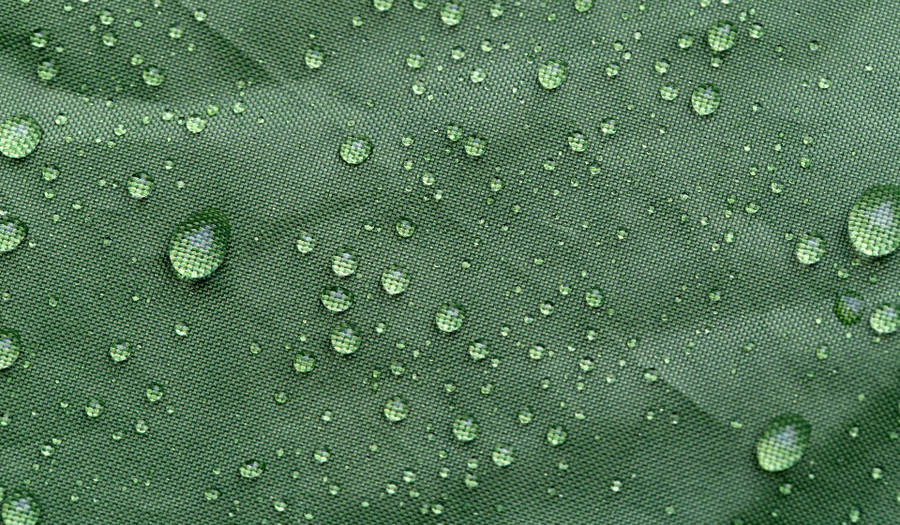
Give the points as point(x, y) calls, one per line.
point(502, 455)
point(120, 351)
point(396, 409)
point(705, 99)
point(449, 317)
point(345, 339)
point(848, 307)
point(465, 428)
point(12, 233)
point(140, 185)
point(395, 280)
point(721, 36)
point(451, 13)
point(885, 319)
point(344, 264)
point(153, 76)
point(336, 299)
point(355, 149)
point(552, 74)
point(809, 249)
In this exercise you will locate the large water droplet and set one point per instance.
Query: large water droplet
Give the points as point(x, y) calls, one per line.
point(12, 233)
point(721, 36)
point(396, 409)
point(874, 221)
point(783, 442)
point(345, 339)
point(552, 74)
point(502, 455)
point(251, 469)
point(355, 149)
point(556, 435)
point(465, 428)
point(19, 135)
point(705, 99)
point(885, 319)
point(199, 244)
point(9, 347)
point(451, 13)
point(140, 185)
point(344, 264)
point(848, 307)
point(449, 317)
point(20, 509)
point(336, 299)
point(395, 280)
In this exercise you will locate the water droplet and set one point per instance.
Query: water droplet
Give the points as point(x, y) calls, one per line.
point(305, 243)
point(556, 435)
point(583, 5)
point(344, 264)
point(304, 363)
point(140, 185)
point(552, 74)
point(19, 135)
point(451, 13)
point(336, 299)
point(874, 221)
point(685, 40)
point(848, 307)
point(39, 39)
point(721, 36)
point(47, 70)
point(405, 227)
point(449, 317)
point(577, 142)
point(12, 233)
point(396, 409)
point(382, 5)
point(705, 99)
point(199, 244)
point(355, 149)
point(9, 347)
point(474, 146)
point(394, 280)
point(251, 469)
point(93, 408)
point(20, 509)
point(345, 339)
point(756, 31)
point(885, 319)
point(478, 350)
point(594, 298)
point(668, 92)
point(313, 58)
point(782, 443)
point(415, 60)
point(465, 428)
point(153, 76)
point(809, 249)
point(120, 351)
point(502, 455)
point(195, 123)
point(154, 393)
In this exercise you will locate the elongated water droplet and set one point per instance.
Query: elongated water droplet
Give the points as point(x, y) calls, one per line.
point(783, 443)
point(199, 244)
point(874, 221)
point(9, 347)
point(19, 135)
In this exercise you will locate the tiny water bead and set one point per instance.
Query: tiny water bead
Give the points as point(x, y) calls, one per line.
point(594, 298)
point(153, 76)
point(120, 351)
point(355, 149)
point(12, 233)
point(336, 299)
point(465, 428)
point(19, 135)
point(705, 99)
point(405, 227)
point(396, 409)
point(848, 307)
point(474, 146)
point(199, 244)
point(721, 36)
point(577, 142)
point(344, 264)
point(502, 455)
point(552, 74)
point(809, 249)
point(345, 339)
point(454, 132)
point(251, 469)
point(449, 318)
point(783, 442)
point(20, 509)
point(885, 319)
point(874, 221)
point(395, 280)
point(451, 13)
point(140, 185)
point(9, 347)
point(304, 363)
point(556, 435)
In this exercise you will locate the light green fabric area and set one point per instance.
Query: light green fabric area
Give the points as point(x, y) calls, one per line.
point(710, 326)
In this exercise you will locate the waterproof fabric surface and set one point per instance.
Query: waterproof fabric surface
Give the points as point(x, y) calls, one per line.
point(642, 298)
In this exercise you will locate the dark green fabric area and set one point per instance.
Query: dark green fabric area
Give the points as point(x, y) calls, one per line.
point(649, 229)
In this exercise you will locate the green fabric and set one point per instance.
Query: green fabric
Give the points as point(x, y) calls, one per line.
point(710, 327)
